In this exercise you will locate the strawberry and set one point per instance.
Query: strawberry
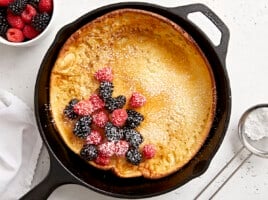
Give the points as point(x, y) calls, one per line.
point(14, 35)
point(84, 107)
point(100, 119)
point(28, 13)
point(5, 3)
point(45, 6)
point(15, 21)
point(137, 100)
point(29, 32)
point(119, 117)
point(104, 75)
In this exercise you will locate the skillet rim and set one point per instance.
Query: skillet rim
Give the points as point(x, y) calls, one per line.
point(157, 10)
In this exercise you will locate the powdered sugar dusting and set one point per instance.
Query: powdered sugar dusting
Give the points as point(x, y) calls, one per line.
point(256, 124)
point(121, 148)
point(94, 137)
point(107, 149)
point(160, 65)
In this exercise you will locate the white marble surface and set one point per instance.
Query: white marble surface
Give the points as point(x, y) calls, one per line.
point(248, 71)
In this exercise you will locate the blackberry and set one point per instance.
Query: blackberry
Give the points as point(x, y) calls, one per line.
point(82, 127)
point(89, 152)
point(3, 23)
point(120, 101)
point(68, 111)
point(73, 102)
point(133, 156)
point(106, 90)
point(133, 137)
point(134, 119)
point(110, 104)
point(121, 133)
point(112, 132)
point(34, 3)
point(18, 6)
point(3, 29)
point(2, 15)
point(114, 103)
point(40, 21)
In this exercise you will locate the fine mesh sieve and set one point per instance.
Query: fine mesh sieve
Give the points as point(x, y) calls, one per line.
point(258, 147)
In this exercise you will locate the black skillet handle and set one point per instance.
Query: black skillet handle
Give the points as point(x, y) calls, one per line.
point(221, 49)
point(56, 177)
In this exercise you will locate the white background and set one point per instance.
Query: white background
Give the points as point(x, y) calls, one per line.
point(247, 66)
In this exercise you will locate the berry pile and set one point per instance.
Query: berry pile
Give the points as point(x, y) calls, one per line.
point(22, 20)
point(107, 128)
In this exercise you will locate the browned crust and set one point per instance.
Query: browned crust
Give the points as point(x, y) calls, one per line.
point(120, 166)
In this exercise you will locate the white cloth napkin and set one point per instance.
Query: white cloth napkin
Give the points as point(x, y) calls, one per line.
point(20, 145)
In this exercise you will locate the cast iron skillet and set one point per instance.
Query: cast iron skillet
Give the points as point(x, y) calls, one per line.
point(67, 167)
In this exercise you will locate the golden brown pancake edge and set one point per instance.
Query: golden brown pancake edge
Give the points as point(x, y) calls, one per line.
point(149, 54)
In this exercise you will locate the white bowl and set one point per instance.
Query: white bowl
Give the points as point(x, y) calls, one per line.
point(35, 40)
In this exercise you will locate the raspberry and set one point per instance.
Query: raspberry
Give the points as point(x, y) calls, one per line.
point(96, 102)
point(5, 3)
point(45, 6)
point(107, 149)
point(119, 117)
point(104, 74)
point(29, 32)
point(94, 137)
point(15, 21)
point(15, 35)
point(84, 107)
point(102, 160)
point(121, 147)
point(100, 119)
point(28, 13)
point(149, 151)
point(137, 100)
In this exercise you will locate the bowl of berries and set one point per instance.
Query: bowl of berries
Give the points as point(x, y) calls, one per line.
point(25, 22)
